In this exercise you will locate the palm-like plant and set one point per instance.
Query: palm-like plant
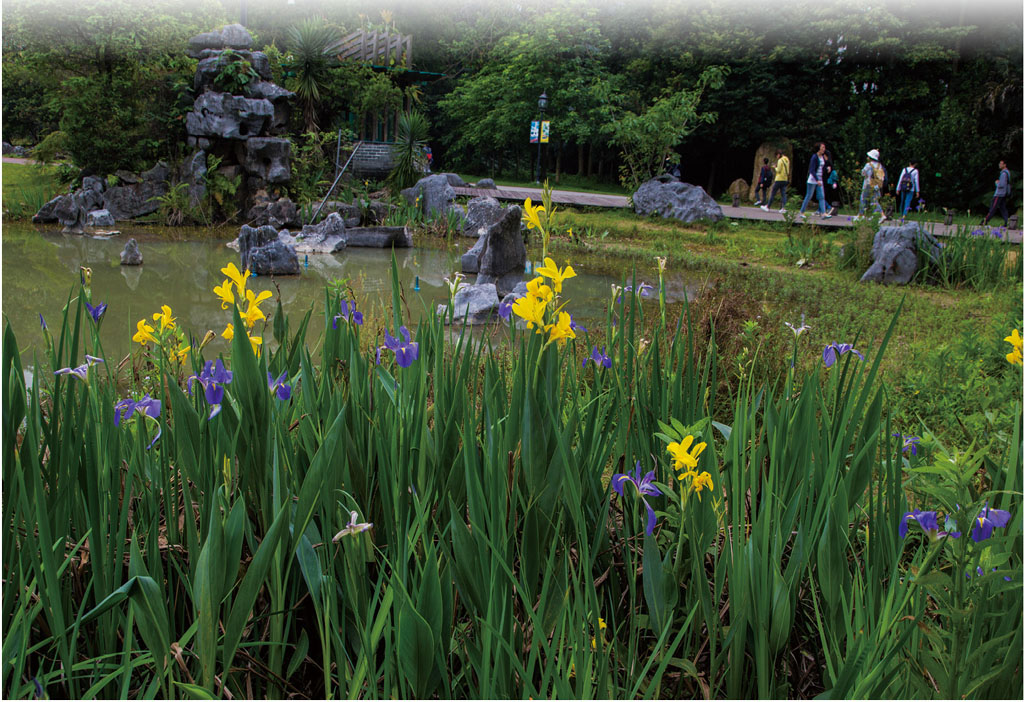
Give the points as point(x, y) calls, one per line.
point(408, 150)
point(314, 46)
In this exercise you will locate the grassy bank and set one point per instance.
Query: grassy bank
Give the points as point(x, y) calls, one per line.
point(27, 187)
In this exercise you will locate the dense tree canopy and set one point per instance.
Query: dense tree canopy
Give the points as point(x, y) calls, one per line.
point(939, 83)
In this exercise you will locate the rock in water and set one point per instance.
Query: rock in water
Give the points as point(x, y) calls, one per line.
point(504, 256)
point(262, 252)
point(99, 218)
point(473, 304)
point(379, 237)
point(130, 255)
point(895, 251)
point(483, 213)
point(682, 201)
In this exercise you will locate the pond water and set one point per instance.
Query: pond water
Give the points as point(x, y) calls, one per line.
point(41, 266)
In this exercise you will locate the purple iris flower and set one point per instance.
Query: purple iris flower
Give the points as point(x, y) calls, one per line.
point(909, 443)
point(644, 486)
point(998, 232)
point(643, 290)
point(833, 351)
point(928, 521)
point(405, 352)
point(81, 372)
point(576, 327)
point(348, 314)
point(987, 520)
point(978, 232)
point(213, 379)
point(599, 358)
point(278, 386)
point(97, 311)
point(42, 322)
point(146, 407)
point(505, 308)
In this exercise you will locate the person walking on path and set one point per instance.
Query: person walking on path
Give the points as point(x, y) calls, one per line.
point(816, 181)
point(764, 181)
point(1002, 193)
point(831, 176)
point(871, 191)
point(781, 181)
point(908, 187)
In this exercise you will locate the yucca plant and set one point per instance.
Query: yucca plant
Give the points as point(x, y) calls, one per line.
point(408, 151)
point(314, 45)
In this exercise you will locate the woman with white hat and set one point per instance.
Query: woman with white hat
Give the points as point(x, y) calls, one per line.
point(874, 178)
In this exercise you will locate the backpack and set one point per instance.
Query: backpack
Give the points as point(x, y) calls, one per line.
point(906, 184)
point(833, 177)
point(878, 176)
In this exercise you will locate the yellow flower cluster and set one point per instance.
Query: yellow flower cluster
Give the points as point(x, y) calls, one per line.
point(684, 459)
point(234, 292)
point(168, 337)
point(1015, 357)
point(537, 307)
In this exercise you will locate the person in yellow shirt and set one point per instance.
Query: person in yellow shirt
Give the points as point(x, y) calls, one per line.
point(781, 181)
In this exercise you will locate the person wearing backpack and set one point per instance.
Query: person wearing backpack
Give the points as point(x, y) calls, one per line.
point(781, 181)
point(908, 187)
point(764, 181)
point(1002, 194)
point(874, 180)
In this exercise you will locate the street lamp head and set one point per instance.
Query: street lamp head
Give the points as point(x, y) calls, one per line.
point(542, 103)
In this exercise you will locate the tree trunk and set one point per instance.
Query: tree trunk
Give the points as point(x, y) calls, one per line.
point(590, 160)
point(579, 160)
point(558, 166)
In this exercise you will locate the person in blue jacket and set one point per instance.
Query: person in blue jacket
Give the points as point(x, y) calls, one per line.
point(1002, 193)
point(816, 181)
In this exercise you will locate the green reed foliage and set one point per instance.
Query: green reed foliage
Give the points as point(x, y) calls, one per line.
point(226, 559)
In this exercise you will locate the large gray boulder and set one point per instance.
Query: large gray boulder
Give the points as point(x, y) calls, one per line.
point(48, 212)
point(137, 199)
point(454, 180)
point(278, 97)
point(472, 304)
point(228, 116)
point(503, 258)
point(326, 237)
point(99, 218)
point(130, 255)
point(436, 195)
point(95, 184)
point(278, 213)
point(70, 212)
point(482, 214)
point(895, 253)
point(486, 184)
point(269, 158)
point(379, 237)
point(195, 172)
point(351, 214)
point(675, 200)
point(233, 36)
point(262, 252)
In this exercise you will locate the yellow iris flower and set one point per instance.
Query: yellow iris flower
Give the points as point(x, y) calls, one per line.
point(683, 456)
point(238, 278)
point(699, 482)
point(538, 290)
point(1015, 356)
point(601, 626)
point(223, 291)
point(229, 332)
point(164, 317)
point(256, 341)
point(181, 355)
point(531, 309)
point(562, 329)
point(532, 215)
point(143, 333)
point(557, 275)
point(253, 313)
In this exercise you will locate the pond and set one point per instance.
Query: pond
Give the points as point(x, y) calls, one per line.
point(40, 267)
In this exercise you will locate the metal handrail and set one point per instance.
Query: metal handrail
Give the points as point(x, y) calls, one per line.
point(336, 179)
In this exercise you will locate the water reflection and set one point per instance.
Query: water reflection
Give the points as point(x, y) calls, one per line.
point(39, 270)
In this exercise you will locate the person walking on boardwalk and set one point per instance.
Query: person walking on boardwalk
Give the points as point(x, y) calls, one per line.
point(908, 187)
point(781, 181)
point(816, 181)
point(871, 191)
point(1002, 193)
point(831, 176)
point(764, 181)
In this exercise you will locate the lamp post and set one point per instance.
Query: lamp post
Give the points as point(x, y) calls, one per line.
point(542, 103)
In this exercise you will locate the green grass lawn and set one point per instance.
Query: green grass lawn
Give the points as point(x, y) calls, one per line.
point(27, 187)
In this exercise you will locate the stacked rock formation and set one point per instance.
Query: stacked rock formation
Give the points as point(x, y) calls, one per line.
point(245, 130)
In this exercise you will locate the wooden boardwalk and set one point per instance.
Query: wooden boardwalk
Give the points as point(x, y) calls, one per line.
point(570, 197)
